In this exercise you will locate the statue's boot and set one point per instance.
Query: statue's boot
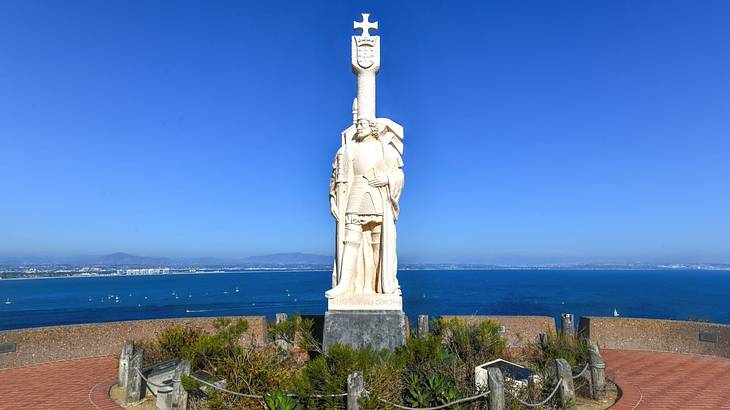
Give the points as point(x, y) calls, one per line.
point(349, 263)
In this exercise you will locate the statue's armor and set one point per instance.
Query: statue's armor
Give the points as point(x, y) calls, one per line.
point(367, 163)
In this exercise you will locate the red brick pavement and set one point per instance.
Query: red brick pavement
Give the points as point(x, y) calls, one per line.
point(659, 380)
point(64, 385)
point(648, 380)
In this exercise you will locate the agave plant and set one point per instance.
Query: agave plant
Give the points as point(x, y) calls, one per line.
point(278, 400)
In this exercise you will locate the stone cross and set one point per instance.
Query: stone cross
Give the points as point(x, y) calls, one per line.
point(365, 25)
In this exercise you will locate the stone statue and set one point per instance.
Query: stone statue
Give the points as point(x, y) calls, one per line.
point(365, 187)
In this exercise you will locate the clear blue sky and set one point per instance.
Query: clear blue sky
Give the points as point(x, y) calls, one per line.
point(535, 130)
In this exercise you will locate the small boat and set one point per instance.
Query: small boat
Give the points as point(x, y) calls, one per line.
point(615, 313)
point(7, 301)
point(237, 289)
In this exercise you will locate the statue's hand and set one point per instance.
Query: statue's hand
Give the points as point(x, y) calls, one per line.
point(378, 181)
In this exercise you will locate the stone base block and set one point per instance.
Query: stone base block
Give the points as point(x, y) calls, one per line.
point(385, 329)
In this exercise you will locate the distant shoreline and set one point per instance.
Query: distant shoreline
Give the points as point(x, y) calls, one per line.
point(408, 268)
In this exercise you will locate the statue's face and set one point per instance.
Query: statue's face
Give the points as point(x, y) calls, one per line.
point(363, 128)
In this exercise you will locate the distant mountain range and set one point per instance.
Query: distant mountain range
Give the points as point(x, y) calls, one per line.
point(126, 259)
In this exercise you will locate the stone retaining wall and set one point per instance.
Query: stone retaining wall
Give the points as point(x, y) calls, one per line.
point(657, 335)
point(519, 330)
point(45, 344)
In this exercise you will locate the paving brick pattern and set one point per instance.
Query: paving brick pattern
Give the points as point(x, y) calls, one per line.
point(659, 380)
point(648, 380)
point(76, 384)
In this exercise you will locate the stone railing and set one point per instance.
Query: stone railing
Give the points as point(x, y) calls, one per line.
point(518, 330)
point(657, 335)
point(45, 344)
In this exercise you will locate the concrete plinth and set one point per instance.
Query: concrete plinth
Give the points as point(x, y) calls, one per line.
point(385, 329)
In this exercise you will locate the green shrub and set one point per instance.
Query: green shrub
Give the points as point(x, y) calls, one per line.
point(431, 391)
point(170, 343)
point(471, 344)
point(558, 346)
point(297, 331)
point(327, 375)
point(207, 350)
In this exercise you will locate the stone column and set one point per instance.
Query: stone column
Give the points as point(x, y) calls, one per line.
point(355, 389)
point(135, 384)
point(164, 398)
point(566, 391)
point(598, 372)
point(496, 389)
point(179, 394)
point(422, 325)
point(123, 371)
point(366, 65)
point(281, 317)
point(567, 324)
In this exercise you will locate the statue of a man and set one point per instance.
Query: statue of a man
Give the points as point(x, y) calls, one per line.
point(370, 166)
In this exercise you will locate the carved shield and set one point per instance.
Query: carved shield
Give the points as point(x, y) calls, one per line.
point(365, 56)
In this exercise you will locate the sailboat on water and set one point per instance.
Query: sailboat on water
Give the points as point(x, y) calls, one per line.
point(615, 313)
point(7, 301)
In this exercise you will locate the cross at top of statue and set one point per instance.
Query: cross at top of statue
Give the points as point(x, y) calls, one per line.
point(365, 25)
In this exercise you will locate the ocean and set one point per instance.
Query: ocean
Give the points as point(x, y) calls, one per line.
point(673, 294)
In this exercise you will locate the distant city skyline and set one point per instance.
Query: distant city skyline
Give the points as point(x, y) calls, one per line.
point(535, 132)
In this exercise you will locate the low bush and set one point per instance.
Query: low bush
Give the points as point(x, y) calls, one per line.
point(543, 352)
point(427, 371)
point(471, 344)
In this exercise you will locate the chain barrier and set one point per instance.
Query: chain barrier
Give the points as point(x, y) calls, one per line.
point(581, 372)
point(257, 396)
point(148, 383)
point(555, 390)
point(443, 406)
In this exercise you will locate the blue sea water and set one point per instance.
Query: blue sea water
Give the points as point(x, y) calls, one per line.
point(649, 294)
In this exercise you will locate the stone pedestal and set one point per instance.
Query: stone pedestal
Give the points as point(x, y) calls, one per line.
point(380, 329)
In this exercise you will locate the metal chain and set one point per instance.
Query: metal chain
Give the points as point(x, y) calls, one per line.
point(542, 402)
point(443, 406)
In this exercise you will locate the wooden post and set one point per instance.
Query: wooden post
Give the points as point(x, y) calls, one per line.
point(135, 387)
point(123, 371)
point(567, 324)
point(566, 391)
point(179, 394)
point(598, 372)
point(355, 389)
point(422, 325)
point(496, 389)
